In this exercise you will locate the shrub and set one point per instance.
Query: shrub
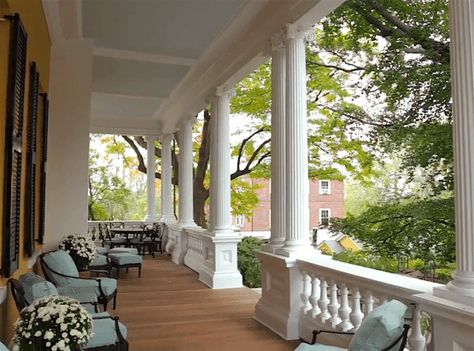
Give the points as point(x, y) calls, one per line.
point(249, 265)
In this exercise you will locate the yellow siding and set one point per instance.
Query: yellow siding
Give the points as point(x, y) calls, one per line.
point(325, 248)
point(349, 244)
point(32, 16)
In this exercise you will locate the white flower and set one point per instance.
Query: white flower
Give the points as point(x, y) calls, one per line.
point(48, 335)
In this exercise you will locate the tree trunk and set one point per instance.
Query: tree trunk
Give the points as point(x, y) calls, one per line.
point(201, 194)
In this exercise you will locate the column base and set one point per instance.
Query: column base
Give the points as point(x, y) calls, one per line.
point(279, 307)
point(219, 270)
point(273, 247)
point(151, 218)
point(297, 251)
point(168, 219)
point(456, 293)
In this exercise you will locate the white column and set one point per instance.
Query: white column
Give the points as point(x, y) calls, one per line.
point(462, 73)
point(151, 215)
point(220, 190)
point(69, 124)
point(297, 186)
point(167, 215)
point(186, 216)
point(220, 265)
point(278, 146)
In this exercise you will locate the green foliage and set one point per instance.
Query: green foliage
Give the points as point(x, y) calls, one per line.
point(415, 228)
point(248, 264)
point(368, 259)
point(244, 198)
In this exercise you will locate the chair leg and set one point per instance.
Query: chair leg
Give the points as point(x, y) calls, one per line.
point(115, 301)
point(139, 271)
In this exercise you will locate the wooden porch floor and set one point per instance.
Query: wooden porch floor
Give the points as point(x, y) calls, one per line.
point(168, 308)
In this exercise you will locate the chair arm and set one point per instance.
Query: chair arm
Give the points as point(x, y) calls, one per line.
point(317, 332)
point(93, 303)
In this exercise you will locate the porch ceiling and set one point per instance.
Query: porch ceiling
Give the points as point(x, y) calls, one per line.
point(157, 61)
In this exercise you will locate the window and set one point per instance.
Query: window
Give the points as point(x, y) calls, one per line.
point(324, 216)
point(240, 221)
point(324, 187)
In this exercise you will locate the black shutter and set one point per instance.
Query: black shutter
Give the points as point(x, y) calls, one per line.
point(30, 225)
point(43, 168)
point(13, 145)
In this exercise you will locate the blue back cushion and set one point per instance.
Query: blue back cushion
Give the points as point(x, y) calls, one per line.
point(36, 287)
point(61, 262)
point(380, 328)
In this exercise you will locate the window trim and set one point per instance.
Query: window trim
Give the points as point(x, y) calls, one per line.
point(320, 215)
point(323, 191)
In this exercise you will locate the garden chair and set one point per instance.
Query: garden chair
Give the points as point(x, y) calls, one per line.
point(60, 269)
point(108, 334)
point(384, 329)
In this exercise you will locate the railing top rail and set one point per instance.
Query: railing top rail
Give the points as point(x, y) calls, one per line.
point(197, 231)
point(366, 278)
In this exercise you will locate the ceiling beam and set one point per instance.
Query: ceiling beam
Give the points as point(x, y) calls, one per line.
point(143, 56)
point(133, 97)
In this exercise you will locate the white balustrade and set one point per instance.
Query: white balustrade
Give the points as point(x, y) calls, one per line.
point(194, 257)
point(346, 307)
point(324, 301)
point(315, 295)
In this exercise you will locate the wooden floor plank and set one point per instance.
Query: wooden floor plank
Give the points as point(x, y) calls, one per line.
point(169, 309)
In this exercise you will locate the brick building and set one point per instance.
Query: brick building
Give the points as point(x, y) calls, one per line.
point(326, 200)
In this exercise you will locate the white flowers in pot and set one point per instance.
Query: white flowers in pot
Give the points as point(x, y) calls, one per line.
point(53, 323)
point(81, 248)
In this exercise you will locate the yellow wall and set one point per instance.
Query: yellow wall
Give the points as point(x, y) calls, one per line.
point(33, 19)
point(349, 244)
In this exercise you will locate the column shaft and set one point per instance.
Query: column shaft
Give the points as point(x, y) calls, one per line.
point(278, 146)
point(462, 73)
point(166, 180)
point(186, 216)
point(150, 179)
point(297, 201)
point(221, 218)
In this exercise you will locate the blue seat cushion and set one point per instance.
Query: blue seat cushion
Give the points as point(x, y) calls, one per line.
point(380, 328)
point(129, 250)
point(318, 347)
point(61, 262)
point(3, 347)
point(104, 331)
point(36, 287)
point(101, 250)
point(125, 258)
point(100, 260)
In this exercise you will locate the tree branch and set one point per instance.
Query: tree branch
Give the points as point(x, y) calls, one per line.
point(141, 162)
point(245, 141)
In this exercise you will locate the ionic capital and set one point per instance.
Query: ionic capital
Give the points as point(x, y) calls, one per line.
point(278, 41)
point(294, 31)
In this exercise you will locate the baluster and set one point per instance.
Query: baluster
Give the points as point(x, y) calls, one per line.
point(306, 292)
point(315, 295)
point(357, 315)
point(334, 306)
point(323, 301)
point(416, 340)
point(369, 302)
point(345, 310)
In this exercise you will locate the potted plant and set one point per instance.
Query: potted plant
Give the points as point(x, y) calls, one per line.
point(52, 323)
point(81, 248)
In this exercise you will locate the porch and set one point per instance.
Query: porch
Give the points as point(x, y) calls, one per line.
point(168, 308)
